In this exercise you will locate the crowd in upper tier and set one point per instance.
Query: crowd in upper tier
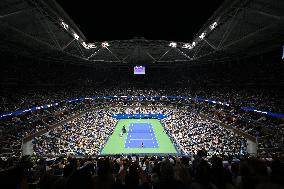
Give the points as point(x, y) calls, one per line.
point(268, 100)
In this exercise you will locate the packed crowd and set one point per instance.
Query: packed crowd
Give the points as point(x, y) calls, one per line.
point(84, 135)
point(13, 130)
point(268, 100)
point(193, 132)
point(130, 172)
point(268, 130)
point(87, 134)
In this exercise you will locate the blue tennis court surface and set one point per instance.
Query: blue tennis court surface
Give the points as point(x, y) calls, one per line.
point(139, 133)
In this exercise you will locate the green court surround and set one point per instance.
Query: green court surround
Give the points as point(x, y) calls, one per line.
point(115, 143)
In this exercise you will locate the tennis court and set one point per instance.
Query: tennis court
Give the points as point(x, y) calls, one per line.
point(141, 135)
point(149, 131)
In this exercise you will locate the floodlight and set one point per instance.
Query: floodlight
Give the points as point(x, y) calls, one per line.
point(187, 46)
point(105, 44)
point(76, 36)
point(64, 25)
point(173, 44)
point(85, 45)
point(92, 45)
point(89, 45)
point(212, 26)
point(202, 35)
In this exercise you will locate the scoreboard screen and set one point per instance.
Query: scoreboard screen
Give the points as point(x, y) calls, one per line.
point(283, 53)
point(139, 70)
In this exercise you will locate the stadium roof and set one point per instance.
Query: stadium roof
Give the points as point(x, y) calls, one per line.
point(41, 29)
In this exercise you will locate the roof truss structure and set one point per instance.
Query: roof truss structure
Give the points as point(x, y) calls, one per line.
point(41, 28)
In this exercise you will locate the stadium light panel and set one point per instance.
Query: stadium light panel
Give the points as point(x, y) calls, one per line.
point(105, 44)
point(92, 45)
point(202, 35)
point(64, 25)
point(89, 45)
point(76, 36)
point(187, 46)
point(212, 26)
point(173, 44)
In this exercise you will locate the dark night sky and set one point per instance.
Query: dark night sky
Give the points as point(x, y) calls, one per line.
point(171, 20)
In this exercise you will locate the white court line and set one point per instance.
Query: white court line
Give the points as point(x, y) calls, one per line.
point(140, 139)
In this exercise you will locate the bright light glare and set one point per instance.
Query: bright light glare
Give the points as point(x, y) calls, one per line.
point(212, 26)
point(187, 46)
point(76, 36)
point(202, 35)
point(173, 44)
point(64, 25)
point(89, 45)
point(105, 44)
